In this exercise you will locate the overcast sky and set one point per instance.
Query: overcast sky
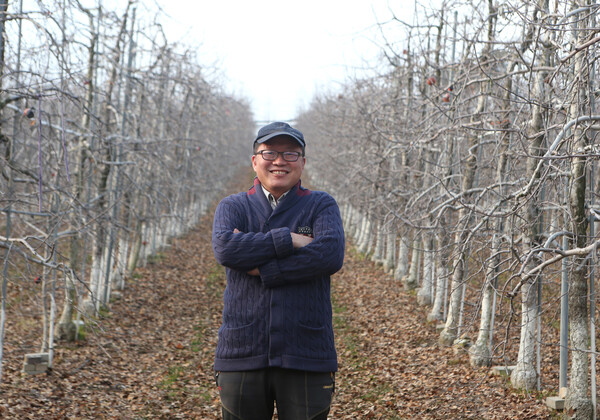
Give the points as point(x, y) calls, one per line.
point(278, 53)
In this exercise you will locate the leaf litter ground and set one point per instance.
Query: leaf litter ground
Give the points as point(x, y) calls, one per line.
point(150, 356)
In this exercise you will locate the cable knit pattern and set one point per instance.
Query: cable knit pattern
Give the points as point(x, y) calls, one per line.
point(282, 318)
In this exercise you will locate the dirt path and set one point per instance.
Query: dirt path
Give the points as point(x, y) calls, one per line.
point(150, 357)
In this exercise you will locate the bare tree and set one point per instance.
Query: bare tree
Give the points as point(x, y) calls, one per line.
point(482, 170)
point(578, 402)
point(81, 157)
point(450, 331)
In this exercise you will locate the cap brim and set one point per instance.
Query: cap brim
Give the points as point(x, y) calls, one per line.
point(279, 133)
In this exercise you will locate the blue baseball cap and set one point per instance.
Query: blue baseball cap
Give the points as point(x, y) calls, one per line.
point(279, 129)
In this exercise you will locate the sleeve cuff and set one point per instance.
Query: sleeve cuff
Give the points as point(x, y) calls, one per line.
point(282, 240)
point(270, 273)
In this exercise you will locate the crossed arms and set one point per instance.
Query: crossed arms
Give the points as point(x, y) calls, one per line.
point(279, 256)
point(298, 241)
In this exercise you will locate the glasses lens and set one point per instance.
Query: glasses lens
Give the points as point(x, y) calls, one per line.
point(268, 155)
point(291, 156)
point(272, 155)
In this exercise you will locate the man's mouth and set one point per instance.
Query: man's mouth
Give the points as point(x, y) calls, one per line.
point(279, 172)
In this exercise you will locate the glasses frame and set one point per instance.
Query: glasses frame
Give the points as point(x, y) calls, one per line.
point(297, 154)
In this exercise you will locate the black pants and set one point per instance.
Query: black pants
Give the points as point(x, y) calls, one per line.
point(299, 395)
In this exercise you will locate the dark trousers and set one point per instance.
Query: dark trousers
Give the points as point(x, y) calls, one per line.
point(299, 395)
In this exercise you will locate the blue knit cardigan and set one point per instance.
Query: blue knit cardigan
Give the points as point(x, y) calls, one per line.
point(282, 318)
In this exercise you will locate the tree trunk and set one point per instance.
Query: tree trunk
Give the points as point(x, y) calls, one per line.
point(3, 9)
point(134, 254)
point(377, 256)
point(524, 375)
point(480, 353)
point(120, 268)
point(449, 334)
point(402, 265)
point(412, 280)
point(65, 328)
point(578, 404)
point(424, 295)
point(390, 251)
point(366, 236)
point(450, 331)
point(442, 274)
point(105, 174)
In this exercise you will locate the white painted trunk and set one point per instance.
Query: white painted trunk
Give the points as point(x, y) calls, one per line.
point(362, 232)
point(390, 251)
point(480, 354)
point(189, 219)
point(350, 220)
point(424, 296)
point(347, 214)
point(181, 220)
point(370, 237)
point(412, 281)
point(160, 237)
point(524, 375)
point(89, 304)
point(437, 311)
point(134, 254)
point(578, 400)
point(146, 246)
point(120, 267)
point(377, 256)
point(355, 222)
point(106, 280)
point(366, 237)
point(402, 266)
point(358, 222)
point(65, 328)
point(170, 228)
point(450, 331)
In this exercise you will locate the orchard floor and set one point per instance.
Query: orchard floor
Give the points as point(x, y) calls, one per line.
point(150, 356)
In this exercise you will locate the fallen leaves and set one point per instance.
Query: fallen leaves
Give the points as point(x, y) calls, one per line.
point(153, 357)
point(391, 365)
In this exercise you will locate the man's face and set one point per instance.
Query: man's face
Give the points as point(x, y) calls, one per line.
point(279, 175)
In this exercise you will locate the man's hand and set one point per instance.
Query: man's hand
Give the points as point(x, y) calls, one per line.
point(300, 240)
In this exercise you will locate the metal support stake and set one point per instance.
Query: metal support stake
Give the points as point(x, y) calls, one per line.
point(564, 319)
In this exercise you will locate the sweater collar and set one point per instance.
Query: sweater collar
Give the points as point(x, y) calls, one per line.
point(292, 195)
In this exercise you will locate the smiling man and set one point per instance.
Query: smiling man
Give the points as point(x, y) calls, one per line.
point(280, 243)
point(278, 164)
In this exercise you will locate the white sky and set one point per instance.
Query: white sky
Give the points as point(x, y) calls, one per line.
point(279, 53)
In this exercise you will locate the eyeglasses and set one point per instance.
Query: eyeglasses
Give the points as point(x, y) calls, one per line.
point(272, 155)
